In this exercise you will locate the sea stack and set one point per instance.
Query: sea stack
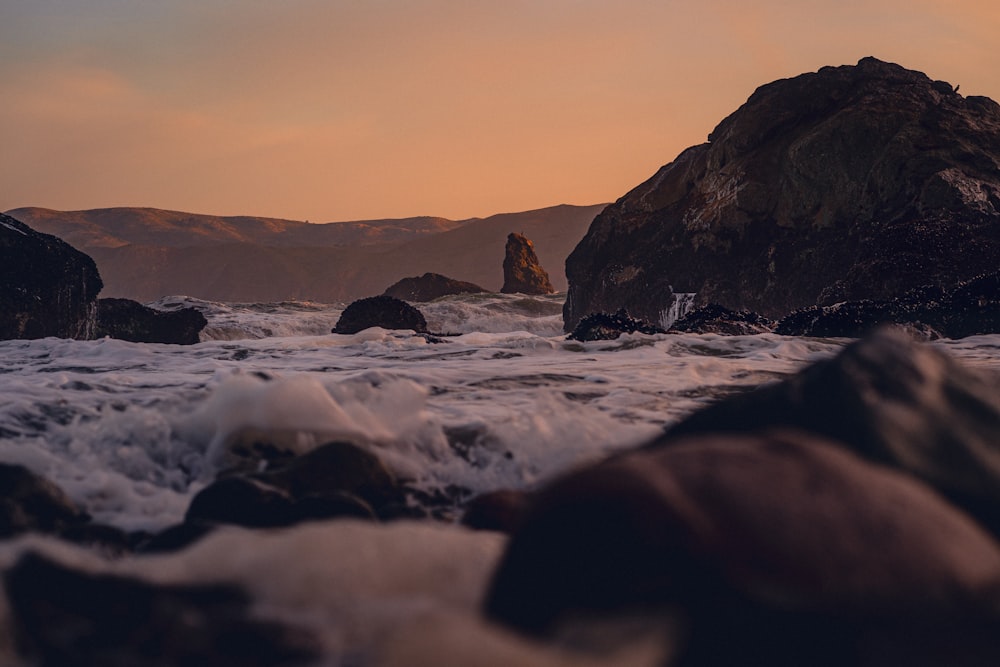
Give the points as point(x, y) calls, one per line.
point(47, 287)
point(853, 182)
point(522, 274)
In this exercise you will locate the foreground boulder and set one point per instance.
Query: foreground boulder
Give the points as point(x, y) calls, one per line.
point(72, 618)
point(854, 182)
point(380, 311)
point(47, 288)
point(717, 319)
point(430, 286)
point(778, 549)
point(522, 274)
point(972, 307)
point(130, 320)
point(893, 401)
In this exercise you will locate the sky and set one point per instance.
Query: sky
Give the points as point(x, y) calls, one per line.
point(328, 110)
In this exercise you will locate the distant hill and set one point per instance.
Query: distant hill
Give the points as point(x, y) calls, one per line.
point(145, 253)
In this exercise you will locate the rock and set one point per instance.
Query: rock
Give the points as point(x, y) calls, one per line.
point(522, 274)
point(430, 286)
point(717, 319)
point(777, 549)
point(335, 480)
point(497, 510)
point(601, 326)
point(29, 502)
point(969, 308)
point(891, 400)
point(68, 618)
point(130, 320)
point(380, 311)
point(850, 183)
point(47, 288)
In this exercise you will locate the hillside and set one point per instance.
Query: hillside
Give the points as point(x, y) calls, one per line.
point(144, 254)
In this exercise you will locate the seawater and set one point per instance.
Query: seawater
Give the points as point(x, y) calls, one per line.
point(132, 431)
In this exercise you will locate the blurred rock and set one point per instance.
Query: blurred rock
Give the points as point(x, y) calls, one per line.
point(893, 401)
point(67, 618)
point(779, 549)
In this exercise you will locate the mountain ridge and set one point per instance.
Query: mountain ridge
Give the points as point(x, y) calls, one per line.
point(215, 263)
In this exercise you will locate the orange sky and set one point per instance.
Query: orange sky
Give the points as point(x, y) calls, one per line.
point(349, 109)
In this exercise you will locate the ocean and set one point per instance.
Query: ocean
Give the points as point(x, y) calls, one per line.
point(132, 431)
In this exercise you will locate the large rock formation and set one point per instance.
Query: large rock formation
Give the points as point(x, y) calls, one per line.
point(849, 183)
point(47, 288)
point(430, 286)
point(522, 274)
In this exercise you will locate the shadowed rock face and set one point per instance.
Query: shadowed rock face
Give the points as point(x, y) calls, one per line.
point(851, 182)
point(428, 287)
point(47, 288)
point(522, 274)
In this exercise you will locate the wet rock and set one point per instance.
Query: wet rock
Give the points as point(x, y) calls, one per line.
point(430, 286)
point(380, 311)
point(335, 480)
point(47, 288)
point(777, 549)
point(601, 326)
point(497, 510)
point(66, 618)
point(29, 502)
point(336, 467)
point(850, 183)
point(717, 319)
point(132, 321)
point(522, 274)
point(892, 400)
point(969, 308)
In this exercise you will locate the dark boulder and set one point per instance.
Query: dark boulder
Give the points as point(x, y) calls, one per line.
point(380, 311)
point(892, 400)
point(717, 319)
point(430, 286)
point(778, 549)
point(130, 320)
point(854, 182)
point(601, 326)
point(522, 274)
point(47, 288)
point(67, 618)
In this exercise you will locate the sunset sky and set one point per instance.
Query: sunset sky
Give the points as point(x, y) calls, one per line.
point(335, 109)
